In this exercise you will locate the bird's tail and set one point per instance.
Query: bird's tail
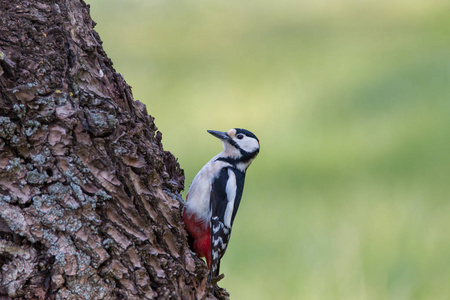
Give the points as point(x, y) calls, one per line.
point(220, 235)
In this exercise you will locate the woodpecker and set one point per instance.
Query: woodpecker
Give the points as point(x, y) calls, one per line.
point(215, 194)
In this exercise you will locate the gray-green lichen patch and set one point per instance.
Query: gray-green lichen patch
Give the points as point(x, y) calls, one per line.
point(52, 216)
point(7, 128)
point(71, 175)
point(31, 127)
point(15, 139)
point(120, 151)
point(61, 97)
point(20, 110)
point(47, 108)
point(59, 189)
point(14, 165)
point(66, 223)
point(43, 202)
point(63, 193)
point(36, 177)
point(58, 193)
point(108, 243)
point(72, 224)
point(100, 122)
point(13, 199)
point(78, 192)
point(6, 198)
point(37, 202)
point(103, 196)
point(83, 261)
point(94, 289)
point(71, 203)
point(39, 159)
point(49, 236)
point(60, 259)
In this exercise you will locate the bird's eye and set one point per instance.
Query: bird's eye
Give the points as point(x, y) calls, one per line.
point(240, 136)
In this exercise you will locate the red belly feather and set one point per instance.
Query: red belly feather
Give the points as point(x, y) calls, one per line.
point(201, 234)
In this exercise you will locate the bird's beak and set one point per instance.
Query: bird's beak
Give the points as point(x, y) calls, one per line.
point(219, 134)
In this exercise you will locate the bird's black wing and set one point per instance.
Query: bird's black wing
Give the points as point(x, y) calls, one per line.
point(240, 179)
point(226, 192)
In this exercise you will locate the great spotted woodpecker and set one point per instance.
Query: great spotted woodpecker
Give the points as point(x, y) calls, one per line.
point(215, 193)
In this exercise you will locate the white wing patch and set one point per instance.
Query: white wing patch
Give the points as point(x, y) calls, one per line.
point(231, 195)
point(216, 228)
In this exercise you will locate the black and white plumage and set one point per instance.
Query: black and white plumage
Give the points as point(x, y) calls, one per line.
point(215, 194)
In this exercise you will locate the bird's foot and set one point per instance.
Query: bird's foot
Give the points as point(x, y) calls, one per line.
point(216, 279)
point(213, 283)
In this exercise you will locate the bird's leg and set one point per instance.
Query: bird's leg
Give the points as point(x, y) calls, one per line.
point(214, 280)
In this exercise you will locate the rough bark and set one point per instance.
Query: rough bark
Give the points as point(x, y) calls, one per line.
point(89, 200)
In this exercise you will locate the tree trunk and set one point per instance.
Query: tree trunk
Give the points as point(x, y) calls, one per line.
point(89, 200)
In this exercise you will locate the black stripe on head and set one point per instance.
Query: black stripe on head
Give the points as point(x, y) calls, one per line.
point(246, 132)
point(235, 145)
point(243, 159)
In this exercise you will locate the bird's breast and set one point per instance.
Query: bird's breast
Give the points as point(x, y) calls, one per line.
point(199, 193)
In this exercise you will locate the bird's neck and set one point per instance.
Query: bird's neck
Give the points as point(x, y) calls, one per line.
point(240, 163)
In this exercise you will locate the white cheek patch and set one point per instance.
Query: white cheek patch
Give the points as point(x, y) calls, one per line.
point(249, 144)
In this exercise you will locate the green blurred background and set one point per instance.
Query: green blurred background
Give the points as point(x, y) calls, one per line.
point(348, 198)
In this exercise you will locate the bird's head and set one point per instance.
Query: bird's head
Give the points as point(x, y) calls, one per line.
point(240, 145)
